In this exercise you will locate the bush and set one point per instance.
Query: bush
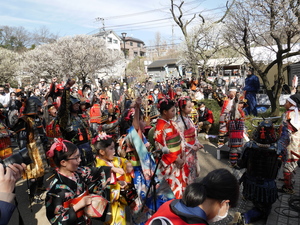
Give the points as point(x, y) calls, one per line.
point(216, 109)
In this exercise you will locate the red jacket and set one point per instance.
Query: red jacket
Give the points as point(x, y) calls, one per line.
point(170, 215)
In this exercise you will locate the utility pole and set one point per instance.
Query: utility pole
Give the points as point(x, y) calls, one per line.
point(98, 19)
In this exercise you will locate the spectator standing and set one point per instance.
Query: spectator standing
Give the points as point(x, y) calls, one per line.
point(250, 90)
point(117, 93)
point(4, 100)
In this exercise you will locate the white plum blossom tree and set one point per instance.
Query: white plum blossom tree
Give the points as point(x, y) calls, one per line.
point(9, 64)
point(80, 56)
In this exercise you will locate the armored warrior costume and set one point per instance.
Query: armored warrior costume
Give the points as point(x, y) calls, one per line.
point(74, 127)
point(31, 134)
point(260, 159)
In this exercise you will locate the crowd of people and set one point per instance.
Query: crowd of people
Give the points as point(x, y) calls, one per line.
point(133, 143)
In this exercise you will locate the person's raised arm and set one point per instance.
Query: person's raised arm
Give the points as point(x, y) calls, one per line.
point(136, 118)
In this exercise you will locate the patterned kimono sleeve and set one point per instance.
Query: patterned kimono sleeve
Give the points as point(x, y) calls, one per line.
point(93, 175)
point(55, 212)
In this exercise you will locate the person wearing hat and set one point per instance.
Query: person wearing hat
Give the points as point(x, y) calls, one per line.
point(73, 126)
point(250, 90)
point(289, 141)
point(30, 134)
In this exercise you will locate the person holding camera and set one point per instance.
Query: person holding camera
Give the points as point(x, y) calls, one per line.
point(8, 178)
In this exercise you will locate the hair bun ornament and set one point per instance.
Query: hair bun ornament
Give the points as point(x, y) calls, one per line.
point(165, 99)
point(58, 145)
point(100, 136)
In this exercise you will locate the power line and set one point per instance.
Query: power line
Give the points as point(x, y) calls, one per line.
point(151, 21)
point(145, 12)
point(133, 26)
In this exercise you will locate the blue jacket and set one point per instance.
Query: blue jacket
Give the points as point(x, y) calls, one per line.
point(251, 84)
point(6, 211)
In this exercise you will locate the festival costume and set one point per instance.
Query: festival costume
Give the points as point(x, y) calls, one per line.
point(262, 162)
point(169, 214)
point(232, 121)
point(95, 118)
point(63, 190)
point(117, 202)
point(291, 145)
point(188, 129)
point(167, 135)
point(133, 147)
point(5, 142)
point(31, 134)
point(74, 128)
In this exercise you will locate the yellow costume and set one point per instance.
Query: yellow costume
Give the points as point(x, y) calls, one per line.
point(117, 202)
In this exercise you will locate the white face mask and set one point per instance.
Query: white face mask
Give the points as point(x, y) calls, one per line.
point(178, 93)
point(202, 108)
point(117, 87)
point(218, 217)
point(156, 92)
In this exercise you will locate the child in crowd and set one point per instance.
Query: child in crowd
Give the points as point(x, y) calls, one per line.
point(68, 192)
point(189, 132)
point(105, 148)
point(167, 138)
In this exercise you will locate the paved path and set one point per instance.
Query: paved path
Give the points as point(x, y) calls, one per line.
point(208, 162)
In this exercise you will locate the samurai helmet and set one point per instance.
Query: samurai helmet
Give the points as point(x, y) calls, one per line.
point(265, 133)
point(31, 107)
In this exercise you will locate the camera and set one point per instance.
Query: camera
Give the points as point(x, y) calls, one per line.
point(20, 157)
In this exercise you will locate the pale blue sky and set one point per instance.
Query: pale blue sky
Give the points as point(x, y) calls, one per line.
point(72, 17)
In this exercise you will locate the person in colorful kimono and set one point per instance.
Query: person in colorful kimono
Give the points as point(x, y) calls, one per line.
point(173, 166)
point(105, 148)
point(290, 142)
point(68, 192)
point(189, 131)
point(135, 147)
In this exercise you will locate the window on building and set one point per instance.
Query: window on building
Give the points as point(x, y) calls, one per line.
point(139, 45)
point(115, 41)
point(135, 54)
point(131, 43)
point(109, 39)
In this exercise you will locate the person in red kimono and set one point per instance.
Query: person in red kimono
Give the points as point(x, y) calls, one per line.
point(168, 139)
point(189, 131)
